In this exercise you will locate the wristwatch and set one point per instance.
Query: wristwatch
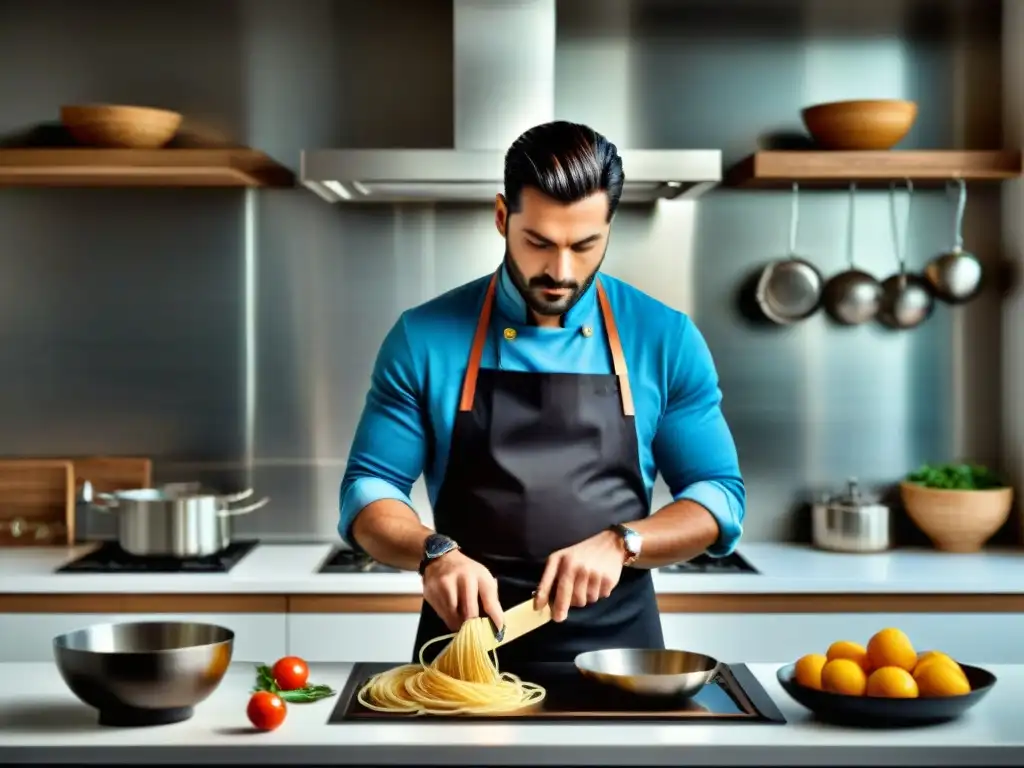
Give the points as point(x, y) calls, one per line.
point(632, 542)
point(437, 545)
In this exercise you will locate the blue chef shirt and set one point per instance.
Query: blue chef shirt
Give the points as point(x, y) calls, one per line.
point(406, 426)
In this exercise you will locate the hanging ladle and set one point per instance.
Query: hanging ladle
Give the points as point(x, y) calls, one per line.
point(789, 290)
point(955, 276)
point(854, 296)
point(907, 299)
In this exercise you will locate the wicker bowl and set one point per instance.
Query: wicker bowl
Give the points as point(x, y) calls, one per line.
point(876, 124)
point(957, 521)
point(112, 126)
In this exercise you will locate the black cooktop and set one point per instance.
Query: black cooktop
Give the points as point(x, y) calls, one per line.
point(733, 563)
point(109, 557)
point(734, 696)
point(350, 561)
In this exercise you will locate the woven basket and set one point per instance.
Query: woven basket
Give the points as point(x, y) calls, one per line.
point(957, 521)
point(112, 126)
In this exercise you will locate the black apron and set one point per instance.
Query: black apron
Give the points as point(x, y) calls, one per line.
point(539, 462)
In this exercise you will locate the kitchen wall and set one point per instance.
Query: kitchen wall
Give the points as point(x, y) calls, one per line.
point(231, 334)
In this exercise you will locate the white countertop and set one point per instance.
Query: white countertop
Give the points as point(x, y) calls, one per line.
point(784, 568)
point(42, 722)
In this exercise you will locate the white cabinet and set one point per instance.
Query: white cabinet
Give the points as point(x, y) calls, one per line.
point(981, 638)
point(259, 637)
point(323, 637)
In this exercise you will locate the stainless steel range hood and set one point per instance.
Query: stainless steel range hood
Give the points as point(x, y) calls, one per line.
point(504, 67)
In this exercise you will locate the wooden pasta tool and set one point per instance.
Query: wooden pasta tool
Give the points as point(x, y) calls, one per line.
point(519, 620)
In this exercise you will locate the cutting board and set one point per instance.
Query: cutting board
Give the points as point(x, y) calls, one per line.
point(37, 502)
point(38, 496)
point(107, 474)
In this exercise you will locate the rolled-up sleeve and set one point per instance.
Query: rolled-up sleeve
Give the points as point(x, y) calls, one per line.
point(693, 447)
point(389, 448)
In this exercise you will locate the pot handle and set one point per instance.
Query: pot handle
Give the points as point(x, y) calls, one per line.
point(231, 498)
point(244, 510)
point(104, 502)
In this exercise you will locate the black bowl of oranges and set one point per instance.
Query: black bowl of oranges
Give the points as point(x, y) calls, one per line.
point(886, 683)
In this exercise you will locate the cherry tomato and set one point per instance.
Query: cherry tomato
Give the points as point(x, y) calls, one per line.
point(290, 673)
point(266, 710)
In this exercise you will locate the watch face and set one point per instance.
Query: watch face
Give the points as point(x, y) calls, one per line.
point(633, 542)
point(438, 545)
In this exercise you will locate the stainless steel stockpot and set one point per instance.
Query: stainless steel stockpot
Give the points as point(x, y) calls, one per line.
point(174, 521)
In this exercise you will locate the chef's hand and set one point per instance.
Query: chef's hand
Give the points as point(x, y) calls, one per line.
point(581, 574)
point(456, 586)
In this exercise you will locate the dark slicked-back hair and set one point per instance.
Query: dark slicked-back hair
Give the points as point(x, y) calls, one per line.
point(565, 161)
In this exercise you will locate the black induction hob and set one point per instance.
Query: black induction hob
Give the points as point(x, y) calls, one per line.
point(729, 564)
point(109, 557)
point(734, 696)
point(350, 561)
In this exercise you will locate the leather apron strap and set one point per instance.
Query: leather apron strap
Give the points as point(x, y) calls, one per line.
point(480, 339)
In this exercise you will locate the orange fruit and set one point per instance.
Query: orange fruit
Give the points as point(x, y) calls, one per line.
point(844, 649)
point(939, 678)
point(808, 670)
point(892, 648)
point(845, 677)
point(892, 683)
point(942, 660)
point(935, 657)
point(925, 655)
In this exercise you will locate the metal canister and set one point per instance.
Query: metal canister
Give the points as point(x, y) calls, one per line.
point(851, 522)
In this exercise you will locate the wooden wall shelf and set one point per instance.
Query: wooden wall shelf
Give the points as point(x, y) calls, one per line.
point(838, 169)
point(84, 167)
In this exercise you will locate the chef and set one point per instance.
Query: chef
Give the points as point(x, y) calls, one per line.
point(540, 402)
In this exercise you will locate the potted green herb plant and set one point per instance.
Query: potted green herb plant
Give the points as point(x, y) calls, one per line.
point(958, 506)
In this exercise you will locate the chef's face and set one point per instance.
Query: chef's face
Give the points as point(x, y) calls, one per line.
point(553, 250)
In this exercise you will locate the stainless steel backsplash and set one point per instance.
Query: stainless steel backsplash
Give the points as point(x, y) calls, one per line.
point(231, 334)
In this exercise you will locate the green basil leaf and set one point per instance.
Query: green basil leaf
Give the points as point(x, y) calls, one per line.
point(308, 694)
point(265, 682)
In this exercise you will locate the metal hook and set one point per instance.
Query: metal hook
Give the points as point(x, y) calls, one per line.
point(794, 219)
point(851, 226)
point(900, 244)
point(961, 208)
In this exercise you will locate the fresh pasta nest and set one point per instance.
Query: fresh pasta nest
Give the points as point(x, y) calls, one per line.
point(463, 679)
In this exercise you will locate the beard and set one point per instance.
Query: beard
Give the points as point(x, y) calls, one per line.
point(533, 289)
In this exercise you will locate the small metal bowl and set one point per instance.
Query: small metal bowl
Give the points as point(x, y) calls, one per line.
point(144, 673)
point(649, 672)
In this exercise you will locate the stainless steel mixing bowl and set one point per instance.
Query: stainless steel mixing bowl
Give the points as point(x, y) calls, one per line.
point(144, 673)
point(649, 672)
